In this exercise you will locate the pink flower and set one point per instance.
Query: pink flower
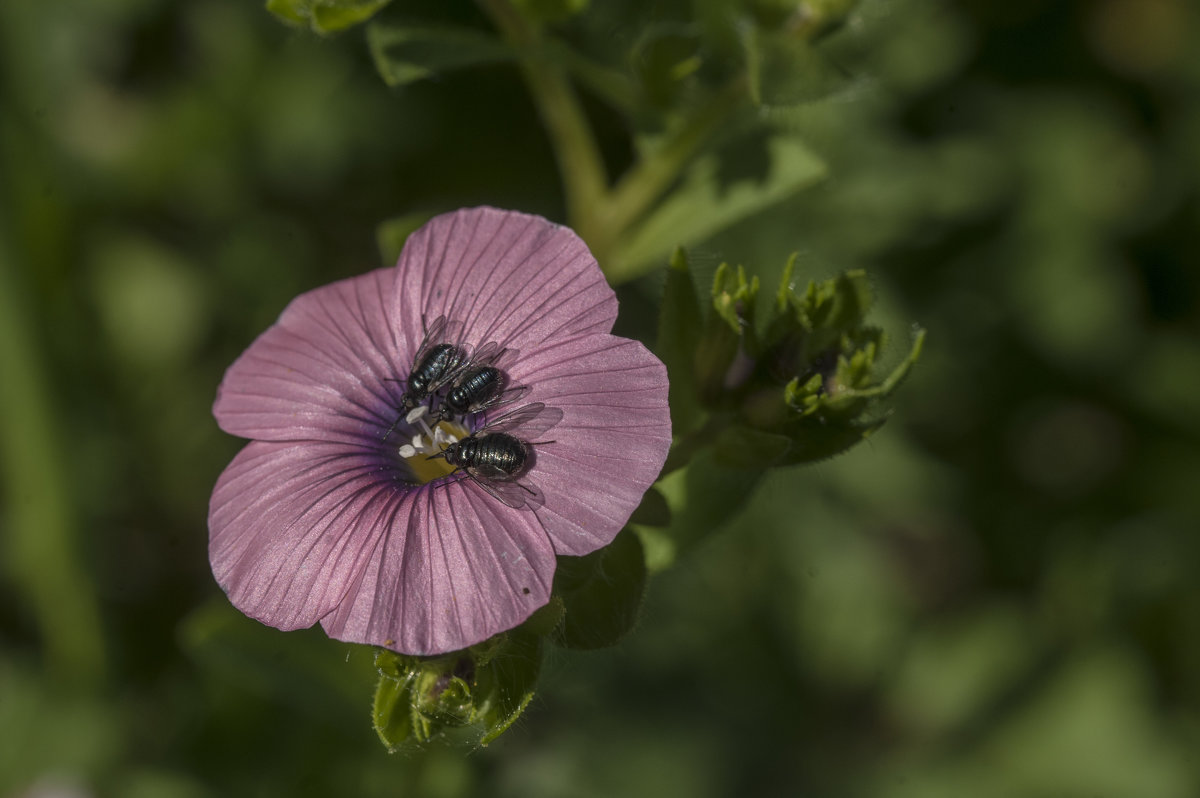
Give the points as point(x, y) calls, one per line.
point(323, 517)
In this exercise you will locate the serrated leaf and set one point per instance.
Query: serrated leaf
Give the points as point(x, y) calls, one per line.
point(700, 207)
point(814, 440)
point(745, 447)
point(408, 54)
point(783, 69)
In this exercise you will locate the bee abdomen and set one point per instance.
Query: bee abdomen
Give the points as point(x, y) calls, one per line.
point(498, 455)
point(433, 367)
point(478, 387)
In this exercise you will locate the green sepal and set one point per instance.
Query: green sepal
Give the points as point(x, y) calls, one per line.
point(733, 298)
point(849, 390)
point(506, 681)
point(405, 54)
point(602, 593)
point(391, 712)
point(419, 699)
point(726, 350)
point(679, 330)
point(325, 16)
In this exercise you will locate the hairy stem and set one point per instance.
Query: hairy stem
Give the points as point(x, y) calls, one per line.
point(642, 186)
point(579, 162)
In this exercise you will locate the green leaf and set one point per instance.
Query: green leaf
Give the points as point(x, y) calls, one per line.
point(664, 59)
point(406, 54)
point(706, 495)
point(814, 440)
point(745, 447)
point(653, 511)
point(325, 16)
point(602, 592)
point(679, 330)
point(296, 12)
point(542, 11)
point(700, 207)
point(786, 70)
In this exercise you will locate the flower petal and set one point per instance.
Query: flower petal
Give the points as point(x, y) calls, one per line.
point(325, 370)
point(612, 440)
point(292, 526)
point(465, 568)
point(510, 277)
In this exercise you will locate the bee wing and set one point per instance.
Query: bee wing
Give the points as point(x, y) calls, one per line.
point(508, 396)
point(516, 495)
point(486, 354)
point(505, 358)
point(532, 419)
point(444, 331)
point(435, 334)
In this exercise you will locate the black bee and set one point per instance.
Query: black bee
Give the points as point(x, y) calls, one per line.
point(481, 387)
point(437, 363)
point(495, 459)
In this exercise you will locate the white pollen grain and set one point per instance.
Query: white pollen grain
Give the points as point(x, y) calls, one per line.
point(407, 451)
point(415, 413)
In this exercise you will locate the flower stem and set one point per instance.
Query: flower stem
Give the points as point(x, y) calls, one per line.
point(639, 188)
point(600, 215)
point(575, 149)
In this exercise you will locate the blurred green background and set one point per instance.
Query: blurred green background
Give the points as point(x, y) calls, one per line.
point(993, 596)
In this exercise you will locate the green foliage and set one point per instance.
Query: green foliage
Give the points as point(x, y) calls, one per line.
point(404, 54)
point(551, 10)
point(803, 389)
point(703, 206)
point(678, 320)
point(325, 16)
point(996, 596)
point(487, 686)
point(601, 593)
